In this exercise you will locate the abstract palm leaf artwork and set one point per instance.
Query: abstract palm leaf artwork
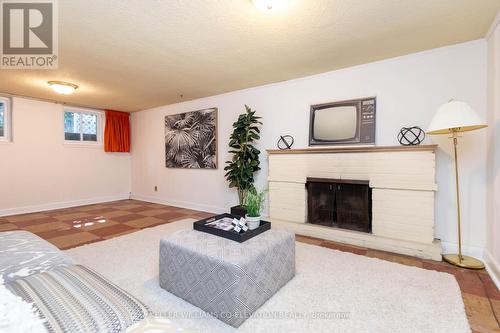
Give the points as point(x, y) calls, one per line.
point(191, 140)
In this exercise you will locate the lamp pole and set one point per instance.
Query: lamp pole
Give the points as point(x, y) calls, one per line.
point(455, 143)
point(459, 259)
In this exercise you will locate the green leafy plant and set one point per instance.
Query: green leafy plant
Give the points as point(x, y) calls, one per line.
point(255, 202)
point(245, 161)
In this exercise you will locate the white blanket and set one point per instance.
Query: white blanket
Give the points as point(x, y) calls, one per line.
point(16, 315)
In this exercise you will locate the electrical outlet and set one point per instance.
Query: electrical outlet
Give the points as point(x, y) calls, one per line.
point(156, 188)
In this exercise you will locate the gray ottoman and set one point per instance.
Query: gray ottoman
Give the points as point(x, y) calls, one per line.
point(227, 279)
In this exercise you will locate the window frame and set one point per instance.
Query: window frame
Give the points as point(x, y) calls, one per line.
point(7, 124)
point(100, 126)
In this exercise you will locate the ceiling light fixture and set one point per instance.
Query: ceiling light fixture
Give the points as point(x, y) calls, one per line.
point(268, 5)
point(64, 88)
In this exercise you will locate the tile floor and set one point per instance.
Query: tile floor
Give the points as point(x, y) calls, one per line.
point(71, 227)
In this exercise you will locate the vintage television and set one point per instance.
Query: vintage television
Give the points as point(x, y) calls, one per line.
point(343, 123)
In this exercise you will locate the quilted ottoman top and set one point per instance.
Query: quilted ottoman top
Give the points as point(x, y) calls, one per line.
point(225, 249)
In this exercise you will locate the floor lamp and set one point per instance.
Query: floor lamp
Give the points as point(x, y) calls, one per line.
point(452, 118)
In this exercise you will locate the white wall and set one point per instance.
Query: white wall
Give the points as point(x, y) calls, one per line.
point(409, 89)
point(38, 171)
point(492, 255)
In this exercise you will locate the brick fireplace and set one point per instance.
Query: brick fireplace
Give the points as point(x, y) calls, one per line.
point(379, 197)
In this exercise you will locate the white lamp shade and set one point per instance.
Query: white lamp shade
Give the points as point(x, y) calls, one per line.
point(455, 116)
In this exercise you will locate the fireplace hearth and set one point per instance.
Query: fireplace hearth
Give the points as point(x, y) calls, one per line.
point(340, 203)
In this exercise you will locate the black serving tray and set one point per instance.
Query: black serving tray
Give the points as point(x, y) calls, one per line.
point(231, 234)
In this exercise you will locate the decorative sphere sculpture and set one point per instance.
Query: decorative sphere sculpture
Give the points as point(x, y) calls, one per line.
point(411, 136)
point(285, 142)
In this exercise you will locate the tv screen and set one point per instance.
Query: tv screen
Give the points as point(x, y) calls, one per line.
point(335, 123)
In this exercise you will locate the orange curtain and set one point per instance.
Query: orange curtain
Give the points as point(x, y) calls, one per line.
point(117, 132)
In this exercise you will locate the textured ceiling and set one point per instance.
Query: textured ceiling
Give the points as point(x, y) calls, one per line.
point(136, 54)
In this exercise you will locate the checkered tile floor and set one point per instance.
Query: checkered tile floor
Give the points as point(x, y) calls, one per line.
point(76, 226)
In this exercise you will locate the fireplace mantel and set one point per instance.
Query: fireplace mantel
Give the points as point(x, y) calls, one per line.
point(356, 149)
point(403, 186)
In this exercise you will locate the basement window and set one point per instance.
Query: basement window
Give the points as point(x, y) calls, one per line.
point(5, 123)
point(82, 126)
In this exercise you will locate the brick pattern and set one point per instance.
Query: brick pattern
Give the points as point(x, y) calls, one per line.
point(71, 227)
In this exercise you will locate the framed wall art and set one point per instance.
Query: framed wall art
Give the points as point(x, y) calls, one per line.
point(191, 140)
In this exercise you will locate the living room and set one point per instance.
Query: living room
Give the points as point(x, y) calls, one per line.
point(366, 120)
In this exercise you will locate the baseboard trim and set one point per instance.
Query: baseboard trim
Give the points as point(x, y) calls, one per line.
point(59, 205)
point(473, 251)
point(181, 204)
point(492, 267)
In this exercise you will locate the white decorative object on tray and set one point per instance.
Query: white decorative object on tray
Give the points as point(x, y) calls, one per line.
point(227, 224)
point(240, 225)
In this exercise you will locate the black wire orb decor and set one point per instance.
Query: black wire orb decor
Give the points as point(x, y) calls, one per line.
point(285, 142)
point(411, 136)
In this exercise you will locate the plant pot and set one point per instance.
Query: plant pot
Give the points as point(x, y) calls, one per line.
point(252, 222)
point(238, 210)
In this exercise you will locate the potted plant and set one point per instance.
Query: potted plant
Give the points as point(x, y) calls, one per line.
point(254, 205)
point(245, 160)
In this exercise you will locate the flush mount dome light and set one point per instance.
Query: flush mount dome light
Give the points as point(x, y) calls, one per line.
point(268, 5)
point(64, 88)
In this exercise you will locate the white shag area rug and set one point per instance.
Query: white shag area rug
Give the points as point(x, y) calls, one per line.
point(16, 315)
point(332, 291)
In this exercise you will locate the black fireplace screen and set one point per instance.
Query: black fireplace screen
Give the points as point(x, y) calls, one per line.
point(338, 203)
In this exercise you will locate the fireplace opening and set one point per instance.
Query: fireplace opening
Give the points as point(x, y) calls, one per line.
point(340, 203)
